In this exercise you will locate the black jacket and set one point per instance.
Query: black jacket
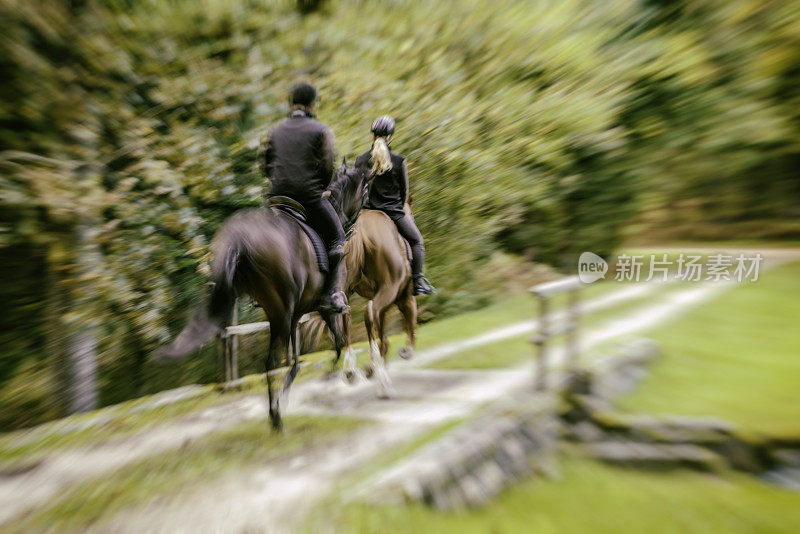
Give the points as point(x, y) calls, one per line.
point(389, 191)
point(298, 157)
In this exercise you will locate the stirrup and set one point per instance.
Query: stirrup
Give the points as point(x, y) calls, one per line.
point(422, 286)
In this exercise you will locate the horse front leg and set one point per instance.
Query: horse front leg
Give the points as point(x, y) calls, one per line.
point(336, 324)
point(351, 372)
point(378, 354)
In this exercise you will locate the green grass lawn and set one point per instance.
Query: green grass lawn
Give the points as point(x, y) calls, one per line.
point(713, 243)
point(162, 476)
point(736, 357)
point(513, 310)
point(519, 349)
point(592, 497)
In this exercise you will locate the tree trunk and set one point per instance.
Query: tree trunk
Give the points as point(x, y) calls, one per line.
point(81, 357)
point(83, 370)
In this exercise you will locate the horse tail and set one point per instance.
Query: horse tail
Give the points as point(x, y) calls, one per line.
point(232, 251)
point(206, 324)
point(311, 332)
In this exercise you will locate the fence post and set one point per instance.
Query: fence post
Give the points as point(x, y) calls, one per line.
point(544, 292)
point(573, 313)
point(541, 341)
point(234, 343)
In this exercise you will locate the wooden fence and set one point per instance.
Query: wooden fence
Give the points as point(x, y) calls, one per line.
point(569, 327)
point(230, 342)
point(544, 293)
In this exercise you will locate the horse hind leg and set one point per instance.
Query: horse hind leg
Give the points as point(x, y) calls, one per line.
point(369, 324)
point(407, 304)
point(294, 356)
point(378, 310)
point(278, 345)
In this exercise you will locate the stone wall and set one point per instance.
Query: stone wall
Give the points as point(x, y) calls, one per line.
point(523, 435)
point(473, 462)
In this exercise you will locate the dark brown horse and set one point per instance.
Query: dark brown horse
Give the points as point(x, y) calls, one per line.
point(264, 253)
point(378, 269)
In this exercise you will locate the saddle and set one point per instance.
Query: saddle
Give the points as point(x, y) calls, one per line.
point(295, 210)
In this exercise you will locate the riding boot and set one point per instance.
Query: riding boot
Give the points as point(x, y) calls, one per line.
point(333, 299)
point(422, 286)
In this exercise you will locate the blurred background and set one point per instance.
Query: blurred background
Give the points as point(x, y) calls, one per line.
point(534, 130)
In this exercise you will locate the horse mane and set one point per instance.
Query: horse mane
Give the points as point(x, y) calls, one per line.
point(340, 179)
point(343, 177)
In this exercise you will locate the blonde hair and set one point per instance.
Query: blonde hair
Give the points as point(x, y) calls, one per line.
point(381, 161)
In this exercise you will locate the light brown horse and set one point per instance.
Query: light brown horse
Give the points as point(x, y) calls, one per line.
point(378, 269)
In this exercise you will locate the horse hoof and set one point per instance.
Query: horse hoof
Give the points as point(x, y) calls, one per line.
point(406, 352)
point(369, 371)
point(350, 376)
point(277, 424)
point(386, 393)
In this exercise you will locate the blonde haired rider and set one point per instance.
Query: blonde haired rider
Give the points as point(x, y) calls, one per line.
point(389, 192)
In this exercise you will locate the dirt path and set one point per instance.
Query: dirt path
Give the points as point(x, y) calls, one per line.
point(68, 468)
point(262, 499)
point(426, 399)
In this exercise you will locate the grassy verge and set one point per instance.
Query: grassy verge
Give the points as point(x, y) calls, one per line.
point(591, 497)
point(163, 476)
point(519, 308)
point(513, 310)
point(27, 447)
point(735, 357)
point(96, 427)
point(517, 350)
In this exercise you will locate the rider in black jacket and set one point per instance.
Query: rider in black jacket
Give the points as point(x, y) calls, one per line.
point(389, 192)
point(298, 160)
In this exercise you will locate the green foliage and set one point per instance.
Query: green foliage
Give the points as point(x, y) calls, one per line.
point(531, 128)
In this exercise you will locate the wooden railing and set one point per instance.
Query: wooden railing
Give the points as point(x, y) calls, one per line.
point(544, 293)
point(230, 342)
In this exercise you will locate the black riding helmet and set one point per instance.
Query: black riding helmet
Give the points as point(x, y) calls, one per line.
point(303, 94)
point(383, 126)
